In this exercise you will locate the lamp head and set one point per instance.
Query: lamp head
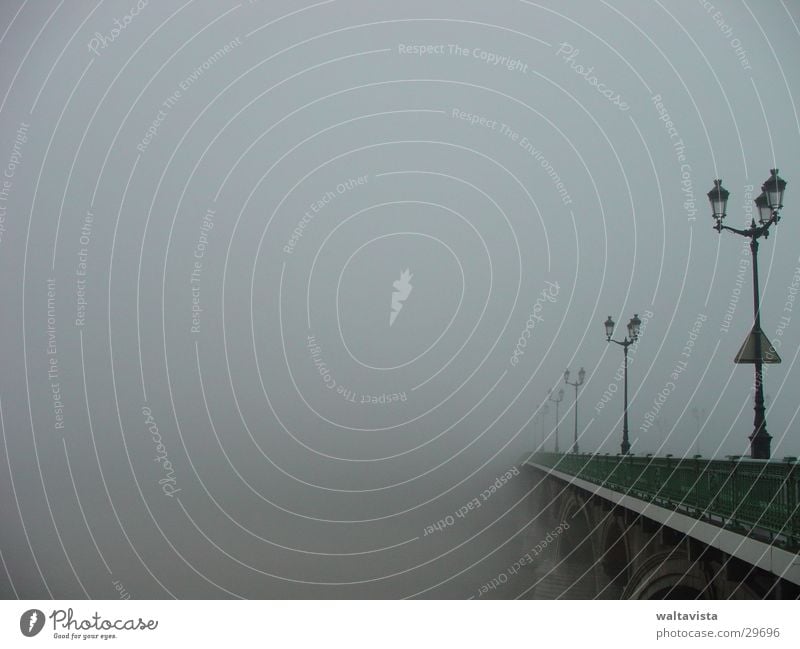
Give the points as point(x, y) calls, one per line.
point(634, 327)
point(609, 324)
point(718, 197)
point(774, 187)
point(763, 208)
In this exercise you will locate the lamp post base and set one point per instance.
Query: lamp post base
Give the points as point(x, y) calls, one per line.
point(760, 445)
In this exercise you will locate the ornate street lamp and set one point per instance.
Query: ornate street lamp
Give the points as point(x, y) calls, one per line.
point(756, 349)
point(579, 382)
point(545, 410)
point(698, 414)
point(633, 334)
point(556, 401)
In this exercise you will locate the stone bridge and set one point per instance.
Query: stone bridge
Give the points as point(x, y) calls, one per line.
point(669, 528)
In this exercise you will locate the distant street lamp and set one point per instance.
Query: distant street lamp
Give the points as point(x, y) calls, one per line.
point(545, 410)
point(768, 206)
point(633, 334)
point(579, 382)
point(556, 401)
point(698, 415)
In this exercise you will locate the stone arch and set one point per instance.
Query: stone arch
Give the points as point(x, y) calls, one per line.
point(669, 575)
point(552, 499)
point(747, 586)
point(742, 591)
point(615, 552)
point(576, 551)
point(577, 541)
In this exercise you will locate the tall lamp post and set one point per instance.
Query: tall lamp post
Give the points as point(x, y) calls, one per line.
point(698, 415)
point(768, 206)
point(633, 334)
point(545, 410)
point(576, 384)
point(556, 401)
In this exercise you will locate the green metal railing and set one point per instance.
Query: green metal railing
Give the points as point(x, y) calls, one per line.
point(746, 495)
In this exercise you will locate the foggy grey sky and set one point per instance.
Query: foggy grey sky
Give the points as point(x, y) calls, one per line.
point(277, 166)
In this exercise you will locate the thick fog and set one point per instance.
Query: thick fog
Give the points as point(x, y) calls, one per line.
point(285, 286)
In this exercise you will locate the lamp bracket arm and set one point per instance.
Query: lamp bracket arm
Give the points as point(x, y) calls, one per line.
point(744, 233)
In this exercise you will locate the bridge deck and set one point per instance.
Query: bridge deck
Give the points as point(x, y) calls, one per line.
point(746, 508)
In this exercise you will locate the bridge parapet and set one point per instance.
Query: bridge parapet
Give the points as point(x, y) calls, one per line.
point(754, 497)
